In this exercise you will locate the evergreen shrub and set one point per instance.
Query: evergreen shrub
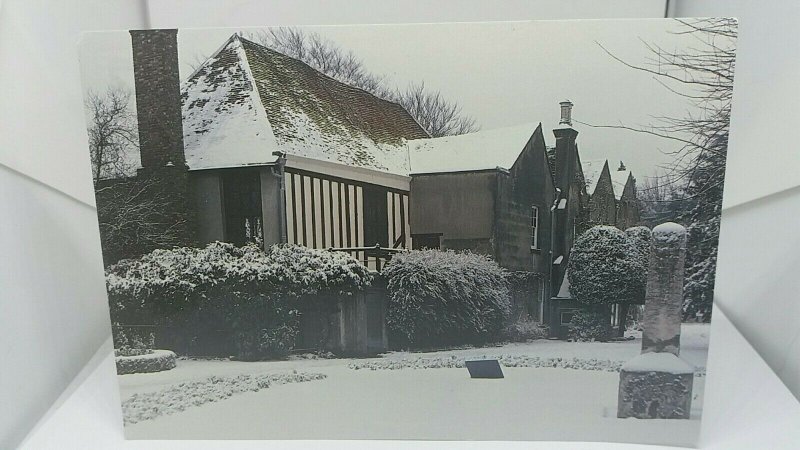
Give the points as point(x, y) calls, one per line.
point(445, 298)
point(249, 291)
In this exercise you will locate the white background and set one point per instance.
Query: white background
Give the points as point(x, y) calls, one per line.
point(53, 314)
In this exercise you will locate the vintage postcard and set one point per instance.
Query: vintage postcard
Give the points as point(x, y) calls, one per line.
point(473, 231)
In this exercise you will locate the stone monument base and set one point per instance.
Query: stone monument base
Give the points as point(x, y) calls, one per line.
point(655, 386)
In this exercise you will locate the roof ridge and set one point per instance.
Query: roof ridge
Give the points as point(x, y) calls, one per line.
point(392, 102)
point(242, 53)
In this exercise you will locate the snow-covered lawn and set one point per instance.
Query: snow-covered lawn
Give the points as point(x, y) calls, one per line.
point(442, 403)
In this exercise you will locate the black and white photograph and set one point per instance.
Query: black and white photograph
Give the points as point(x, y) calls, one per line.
point(500, 231)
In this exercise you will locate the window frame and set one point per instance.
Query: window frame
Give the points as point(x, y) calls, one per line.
point(534, 233)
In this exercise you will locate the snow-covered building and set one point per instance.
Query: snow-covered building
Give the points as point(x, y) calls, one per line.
point(269, 149)
point(612, 194)
point(277, 150)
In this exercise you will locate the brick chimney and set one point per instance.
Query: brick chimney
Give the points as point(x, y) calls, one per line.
point(158, 97)
point(159, 115)
point(566, 167)
point(566, 151)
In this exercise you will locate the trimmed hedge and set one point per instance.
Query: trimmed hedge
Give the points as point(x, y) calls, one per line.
point(444, 298)
point(157, 361)
point(246, 290)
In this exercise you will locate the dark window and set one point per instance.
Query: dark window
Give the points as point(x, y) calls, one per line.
point(566, 316)
point(376, 216)
point(430, 241)
point(242, 198)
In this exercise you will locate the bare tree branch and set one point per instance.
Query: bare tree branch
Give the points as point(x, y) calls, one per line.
point(437, 115)
point(113, 134)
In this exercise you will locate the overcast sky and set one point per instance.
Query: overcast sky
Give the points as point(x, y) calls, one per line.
point(503, 74)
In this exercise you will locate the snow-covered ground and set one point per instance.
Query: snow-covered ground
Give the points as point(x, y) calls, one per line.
point(442, 403)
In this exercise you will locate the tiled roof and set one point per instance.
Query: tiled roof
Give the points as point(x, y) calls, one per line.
point(247, 101)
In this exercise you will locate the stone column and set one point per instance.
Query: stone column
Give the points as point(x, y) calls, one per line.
point(664, 297)
point(657, 384)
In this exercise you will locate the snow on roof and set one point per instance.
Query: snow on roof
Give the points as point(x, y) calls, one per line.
point(473, 151)
point(224, 123)
point(591, 173)
point(247, 101)
point(619, 178)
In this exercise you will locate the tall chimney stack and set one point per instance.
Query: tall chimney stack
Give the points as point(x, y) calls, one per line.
point(158, 98)
point(566, 113)
point(566, 170)
point(158, 111)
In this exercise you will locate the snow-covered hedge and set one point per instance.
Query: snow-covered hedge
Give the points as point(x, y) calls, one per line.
point(444, 297)
point(453, 361)
point(169, 280)
point(249, 291)
point(155, 361)
point(179, 397)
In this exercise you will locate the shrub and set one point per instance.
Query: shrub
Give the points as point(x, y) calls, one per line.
point(245, 289)
point(524, 329)
point(135, 345)
point(278, 342)
point(443, 297)
point(589, 326)
point(156, 361)
point(640, 238)
point(604, 267)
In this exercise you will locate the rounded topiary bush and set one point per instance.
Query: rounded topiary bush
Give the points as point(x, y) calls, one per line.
point(589, 326)
point(155, 361)
point(604, 267)
point(444, 297)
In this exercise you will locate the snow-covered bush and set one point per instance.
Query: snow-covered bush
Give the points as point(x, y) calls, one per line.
point(133, 345)
point(640, 239)
point(589, 326)
point(604, 267)
point(444, 297)
point(249, 291)
point(523, 330)
point(155, 361)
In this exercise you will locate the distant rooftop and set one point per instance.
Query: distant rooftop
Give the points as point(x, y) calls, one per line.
point(474, 151)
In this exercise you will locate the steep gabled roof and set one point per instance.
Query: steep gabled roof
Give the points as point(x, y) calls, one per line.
point(473, 151)
point(591, 173)
point(247, 101)
point(619, 180)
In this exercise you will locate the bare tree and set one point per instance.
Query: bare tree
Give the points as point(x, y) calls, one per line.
point(136, 215)
point(660, 200)
point(113, 134)
point(437, 115)
point(702, 74)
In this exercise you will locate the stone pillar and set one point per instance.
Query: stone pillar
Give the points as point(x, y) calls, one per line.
point(657, 384)
point(664, 297)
